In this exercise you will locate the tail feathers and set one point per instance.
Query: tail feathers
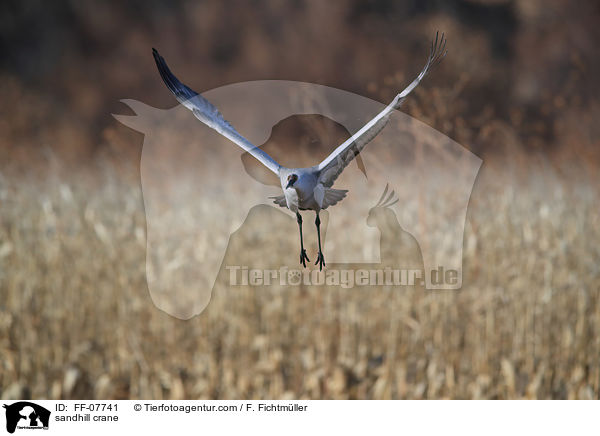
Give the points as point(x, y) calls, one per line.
point(330, 197)
point(279, 200)
point(333, 196)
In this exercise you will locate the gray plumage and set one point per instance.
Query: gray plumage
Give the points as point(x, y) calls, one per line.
point(303, 188)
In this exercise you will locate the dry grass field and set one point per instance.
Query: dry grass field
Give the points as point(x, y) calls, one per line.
point(77, 321)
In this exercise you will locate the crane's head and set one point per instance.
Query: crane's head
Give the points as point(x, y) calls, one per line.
point(291, 180)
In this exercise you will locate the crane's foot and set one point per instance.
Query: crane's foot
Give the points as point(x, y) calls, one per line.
point(303, 257)
point(320, 260)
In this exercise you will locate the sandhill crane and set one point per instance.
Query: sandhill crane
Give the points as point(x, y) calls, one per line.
point(303, 188)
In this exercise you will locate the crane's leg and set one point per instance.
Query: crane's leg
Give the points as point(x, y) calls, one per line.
point(303, 256)
point(320, 258)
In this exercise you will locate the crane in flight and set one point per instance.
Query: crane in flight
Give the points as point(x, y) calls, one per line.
point(303, 188)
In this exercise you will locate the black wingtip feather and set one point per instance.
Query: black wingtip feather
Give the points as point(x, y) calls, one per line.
point(438, 50)
point(181, 92)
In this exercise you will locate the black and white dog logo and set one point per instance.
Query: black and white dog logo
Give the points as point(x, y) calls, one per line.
point(26, 415)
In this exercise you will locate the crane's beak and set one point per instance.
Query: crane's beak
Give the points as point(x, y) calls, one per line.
point(290, 184)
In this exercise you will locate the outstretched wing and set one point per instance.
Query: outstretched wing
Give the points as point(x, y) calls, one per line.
point(208, 114)
point(335, 163)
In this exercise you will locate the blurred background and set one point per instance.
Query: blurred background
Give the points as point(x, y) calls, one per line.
point(518, 88)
